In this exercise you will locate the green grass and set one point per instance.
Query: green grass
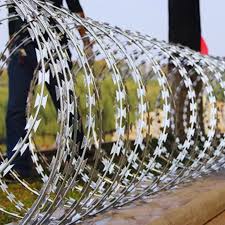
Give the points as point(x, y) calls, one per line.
point(26, 197)
point(106, 105)
point(22, 194)
point(47, 130)
point(3, 102)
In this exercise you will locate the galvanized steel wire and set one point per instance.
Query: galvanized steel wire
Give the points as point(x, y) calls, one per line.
point(147, 152)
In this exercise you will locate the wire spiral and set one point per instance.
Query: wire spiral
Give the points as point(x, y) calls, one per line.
point(166, 112)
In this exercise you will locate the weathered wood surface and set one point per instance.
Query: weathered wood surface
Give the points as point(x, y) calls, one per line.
point(207, 193)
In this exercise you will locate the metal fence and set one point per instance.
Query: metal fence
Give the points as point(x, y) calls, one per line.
point(164, 109)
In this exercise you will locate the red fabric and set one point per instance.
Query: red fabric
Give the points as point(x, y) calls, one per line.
point(204, 47)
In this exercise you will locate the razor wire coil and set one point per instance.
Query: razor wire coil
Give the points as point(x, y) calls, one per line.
point(166, 134)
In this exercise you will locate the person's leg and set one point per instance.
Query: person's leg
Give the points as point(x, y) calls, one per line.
point(184, 29)
point(184, 23)
point(20, 73)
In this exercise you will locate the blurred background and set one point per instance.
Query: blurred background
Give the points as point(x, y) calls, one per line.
point(151, 17)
